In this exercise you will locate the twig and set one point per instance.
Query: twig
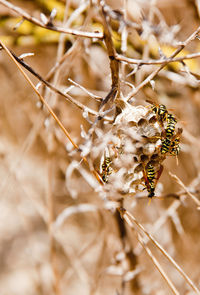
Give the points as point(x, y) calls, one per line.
point(40, 96)
point(159, 222)
point(67, 212)
point(97, 97)
point(117, 15)
point(149, 253)
point(50, 26)
point(76, 45)
point(51, 97)
point(157, 265)
point(186, 189)
point(178, 268)
point(52, 246)
point(153, 74)
point(49, 109)
point(48, 84)
point(124, 38)
point(114, 64)
point(63, 58)
point(127, 248)
point(50, 167)
point(141, 62)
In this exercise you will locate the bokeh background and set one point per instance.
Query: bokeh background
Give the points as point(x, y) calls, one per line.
point(57, 235)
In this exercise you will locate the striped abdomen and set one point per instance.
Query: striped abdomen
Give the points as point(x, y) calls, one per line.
point(150, 173)
point(166, 143)
point(106, 170)
point(171, 122)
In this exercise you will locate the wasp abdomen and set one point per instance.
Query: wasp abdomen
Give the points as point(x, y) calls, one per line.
point(171, 122)
point(165, 145)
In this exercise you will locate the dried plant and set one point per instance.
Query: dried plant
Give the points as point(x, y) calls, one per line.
point(115, 126)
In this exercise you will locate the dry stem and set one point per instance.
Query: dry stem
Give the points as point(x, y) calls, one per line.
point(50, 26)
point(153, 74)
point(128, 217)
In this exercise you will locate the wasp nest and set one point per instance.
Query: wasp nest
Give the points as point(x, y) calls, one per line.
point(130, 152)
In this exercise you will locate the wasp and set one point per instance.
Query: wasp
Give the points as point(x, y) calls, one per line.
point(151, 178)
point(175, 148)
point(171, 122)
point(106, 169)
point(171, 144)
point(160, 110)
point(165, 147)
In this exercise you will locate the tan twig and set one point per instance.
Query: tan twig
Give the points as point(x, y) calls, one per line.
point(178, 268)
point(50, 167)
point(97, 97)
point(141, 62)
point(52, 246)
point(63, 58)
point(114, 64)
point(50, 26)
point(153, 74)
point(52, 87)
point(149, 253)
point(49, 109)
point(127, 249)
point(60, 53)
point(40, 97)
point(157, 264)
point(197, 202)
point(124, 38)
point(160, 221)
point(115, 15)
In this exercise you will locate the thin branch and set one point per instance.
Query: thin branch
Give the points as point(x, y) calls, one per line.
point(67, 54)
point(48, 84)
point(127, 248)
point(60, 52)
point(141, 62)
point(96, 97)
point(161, 220)
point(49, 109)
point(153, 74)
point(155, 262)
point(114, 64)
point(50, 26)
point(197, 202)
point(67, 212)
point(124, 39)
point(51, 213)
point(178, 268)
point(40, 96)
point(120, 17)
point(75, 46)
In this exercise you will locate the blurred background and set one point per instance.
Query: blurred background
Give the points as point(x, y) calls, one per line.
point(57, 235)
